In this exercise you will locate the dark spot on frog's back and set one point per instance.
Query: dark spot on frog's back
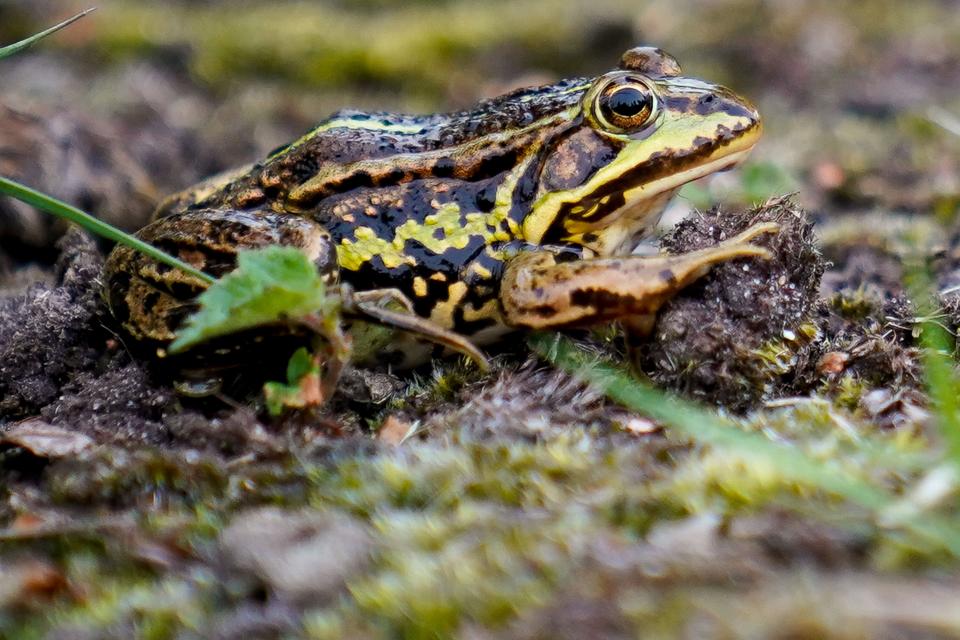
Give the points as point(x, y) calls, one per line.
point(486, 197)
point(443, 168)
point(303, 168)
point(355, 180)
point(495, 163)
point(449, 261)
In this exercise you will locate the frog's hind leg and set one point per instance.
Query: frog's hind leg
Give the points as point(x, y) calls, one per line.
point(150, 299)
point(541, 292)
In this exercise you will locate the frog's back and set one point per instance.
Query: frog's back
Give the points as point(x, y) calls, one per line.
point(353, 150)
point(411, 202)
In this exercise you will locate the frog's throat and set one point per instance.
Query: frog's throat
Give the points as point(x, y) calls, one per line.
point(619, 232)
point(651, 192)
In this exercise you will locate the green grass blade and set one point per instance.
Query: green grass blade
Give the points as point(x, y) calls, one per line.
point(938, 363)
point(942, 385)
point(17, 47)
point(68, 212)
point(706, 427)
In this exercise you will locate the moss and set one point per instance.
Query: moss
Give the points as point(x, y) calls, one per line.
point(458, 526)
point(112, 476)
point(847, 392)
point(447, 382)
point(776, 358)
point(157, 610)
point(477, 531)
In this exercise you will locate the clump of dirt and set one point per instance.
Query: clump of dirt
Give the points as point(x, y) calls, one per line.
point(59, 360)
point(742, 333)
point(49, 333)
point(869, 340)
point(118, 405)
point(870, 358)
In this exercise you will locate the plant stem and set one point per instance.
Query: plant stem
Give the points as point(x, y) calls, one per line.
point(88, 222)
point(17, 47)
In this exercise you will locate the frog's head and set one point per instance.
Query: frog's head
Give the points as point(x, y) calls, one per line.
point(638, 134)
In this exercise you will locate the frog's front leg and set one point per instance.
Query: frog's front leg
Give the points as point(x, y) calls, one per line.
point(375, 305)
point(541, 292)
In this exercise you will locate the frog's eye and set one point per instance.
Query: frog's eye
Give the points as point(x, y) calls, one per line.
point(625, 105)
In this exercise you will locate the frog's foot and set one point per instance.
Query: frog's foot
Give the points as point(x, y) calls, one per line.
point(375, 305)
point(759, 229)
point(539, 292)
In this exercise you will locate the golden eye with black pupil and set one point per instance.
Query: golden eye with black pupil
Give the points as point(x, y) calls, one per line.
point(625, 106)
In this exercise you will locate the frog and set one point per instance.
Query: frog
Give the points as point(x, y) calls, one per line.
point(454, 230)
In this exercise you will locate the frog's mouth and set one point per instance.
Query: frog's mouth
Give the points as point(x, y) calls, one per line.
point(672, 182)
point(641, 212)
point(639, 206)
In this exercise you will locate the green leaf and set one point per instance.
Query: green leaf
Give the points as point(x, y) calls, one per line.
point(17, 47)
point(301, 363)
point(302, 369)
point(269, 285)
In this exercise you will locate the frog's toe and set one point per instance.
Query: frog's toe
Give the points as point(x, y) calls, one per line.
point(741, 250)
point(759, 229)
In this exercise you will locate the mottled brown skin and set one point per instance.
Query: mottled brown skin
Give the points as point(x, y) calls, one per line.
point(500, 217)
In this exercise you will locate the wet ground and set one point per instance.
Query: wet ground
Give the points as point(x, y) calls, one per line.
point(519, 503)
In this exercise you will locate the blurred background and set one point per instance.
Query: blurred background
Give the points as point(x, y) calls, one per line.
point(860, 98)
